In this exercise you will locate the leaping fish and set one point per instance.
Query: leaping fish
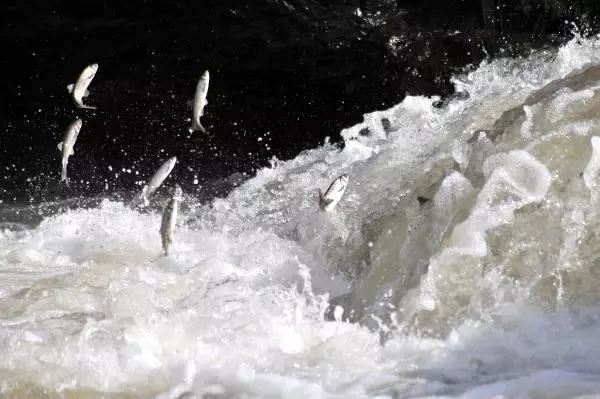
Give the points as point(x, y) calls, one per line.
point(334, 193)
point(169, 218)
point(79, 89)
point(161, 174)
point(66, 147)
point(200, 102)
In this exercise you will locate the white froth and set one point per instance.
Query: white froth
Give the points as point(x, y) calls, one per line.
point(468, 266)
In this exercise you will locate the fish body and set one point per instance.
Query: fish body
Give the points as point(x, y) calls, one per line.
point(200, 102)
point(169, 219)
point(66, 147)
point(157, 179)
point(329, 199)
point(79, 89)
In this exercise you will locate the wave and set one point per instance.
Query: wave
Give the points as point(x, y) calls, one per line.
point(462, 261)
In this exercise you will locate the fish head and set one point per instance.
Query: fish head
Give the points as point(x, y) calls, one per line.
point(206, 75)
point(93, 68)
point(171, 163)
point(344, 179)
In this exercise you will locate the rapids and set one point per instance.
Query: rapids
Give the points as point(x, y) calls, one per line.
point(463, 261)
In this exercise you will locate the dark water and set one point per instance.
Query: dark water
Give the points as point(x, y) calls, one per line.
point(284, 76)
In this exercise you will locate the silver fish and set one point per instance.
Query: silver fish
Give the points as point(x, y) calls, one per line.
point(200, 102)
point(161, 174)
point(66, 147)
point(329, 199)
point(169, 219)
point(79, 89)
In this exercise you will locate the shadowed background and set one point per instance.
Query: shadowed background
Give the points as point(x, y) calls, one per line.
point(284, 76)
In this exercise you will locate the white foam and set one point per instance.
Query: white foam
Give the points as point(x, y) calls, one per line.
point(591, 174)
point(472, 272)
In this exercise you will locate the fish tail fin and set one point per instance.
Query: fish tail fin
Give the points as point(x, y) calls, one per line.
point(323, 202)
point(63, 177)
point(321, 195)
point(144, 196)
point(86, 106)
point(197, 126)
point(321, 199)
point(140, 201)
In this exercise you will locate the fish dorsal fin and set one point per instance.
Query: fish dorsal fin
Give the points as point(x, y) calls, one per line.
point(72, 151)
point(60, 145)
point(70, 88)
point(86, 93)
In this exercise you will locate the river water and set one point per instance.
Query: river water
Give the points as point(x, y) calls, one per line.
point(462, 261)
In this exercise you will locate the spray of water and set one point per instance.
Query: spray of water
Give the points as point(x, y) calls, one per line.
point(462, 261)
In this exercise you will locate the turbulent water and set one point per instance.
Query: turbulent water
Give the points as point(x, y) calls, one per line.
point(463, 261)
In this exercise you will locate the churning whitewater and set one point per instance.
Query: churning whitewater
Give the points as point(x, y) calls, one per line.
point(462, 261)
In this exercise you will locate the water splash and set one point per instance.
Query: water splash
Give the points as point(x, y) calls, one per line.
point(462, 261)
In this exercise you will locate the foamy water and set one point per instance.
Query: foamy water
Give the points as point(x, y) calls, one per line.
point(463, 261)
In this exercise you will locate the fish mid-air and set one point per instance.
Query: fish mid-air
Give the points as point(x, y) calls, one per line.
point(200, 102)
point(329, 199)
point(66, 147)
point(161, 174)
point(79, 89)
point(169, 218)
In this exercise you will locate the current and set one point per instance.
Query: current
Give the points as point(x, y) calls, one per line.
point(462, 262)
